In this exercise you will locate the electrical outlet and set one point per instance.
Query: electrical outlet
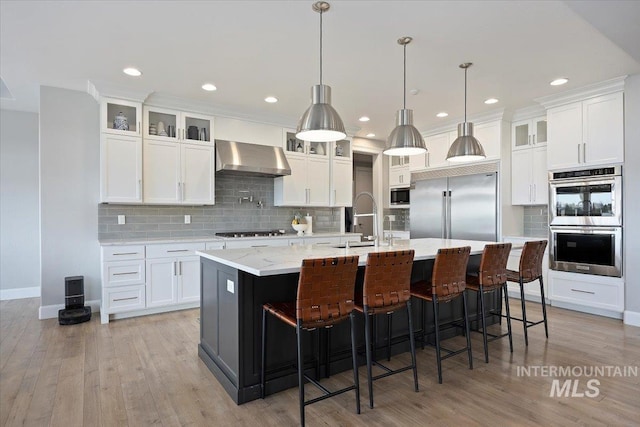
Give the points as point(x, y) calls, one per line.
point(230, 286)
point(187, 219)
point(121, 219)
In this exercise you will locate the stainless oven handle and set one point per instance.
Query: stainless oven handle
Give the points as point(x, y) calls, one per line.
point(585, 230)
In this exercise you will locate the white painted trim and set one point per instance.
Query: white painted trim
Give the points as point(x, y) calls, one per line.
point(582, 93)
point(477, 119)
point(631, 318)
point(51, 311)
point(19, 293)
point(528, 113)
point(155, 310)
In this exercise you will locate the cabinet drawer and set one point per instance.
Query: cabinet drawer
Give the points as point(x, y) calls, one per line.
point(125, 298)
point(122, 253)
point(601, 295)
point(174, 250)
point(119, 273)
point(215, 245)
point(261, 243)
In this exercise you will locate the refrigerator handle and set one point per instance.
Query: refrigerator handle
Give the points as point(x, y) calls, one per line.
point(449, 215)
point(444, 214)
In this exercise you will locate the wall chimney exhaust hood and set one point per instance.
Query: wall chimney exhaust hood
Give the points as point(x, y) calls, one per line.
point(250, 159)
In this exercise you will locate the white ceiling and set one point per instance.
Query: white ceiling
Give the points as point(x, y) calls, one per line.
point(251, 49)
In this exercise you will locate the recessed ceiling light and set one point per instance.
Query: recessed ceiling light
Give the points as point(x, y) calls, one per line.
point(491, 101)
point(364, 119)
point(271, 99)
point(209, 87)
point(134, 72)
point(558, 82)
point(443, 114)
point(371, 135)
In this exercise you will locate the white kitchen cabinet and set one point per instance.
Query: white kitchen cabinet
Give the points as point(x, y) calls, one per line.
point(341, 191)
point(490, 136)
point(399, 176)
point(120, 151)
point(120, 168)
point(318, 241)
point(123, 279)
point(309, 182)
point(256, 243)
point(173, 274)
point(529, 133)
point(586, 292)
point(586, 133)
point(110, 108)
point(178, 126)
point(178, 173)
point(437, 149)
point(529, 178)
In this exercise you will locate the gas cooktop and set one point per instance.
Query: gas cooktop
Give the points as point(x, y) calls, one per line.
point(269, 233)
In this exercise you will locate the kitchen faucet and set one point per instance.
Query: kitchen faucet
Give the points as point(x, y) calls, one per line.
point(373, 214)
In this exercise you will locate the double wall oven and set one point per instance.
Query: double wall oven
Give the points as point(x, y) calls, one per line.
point(585, 213)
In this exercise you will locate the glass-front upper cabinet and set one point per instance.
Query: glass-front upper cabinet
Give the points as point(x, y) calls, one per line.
point(398, 161)
point(342, 149)
point(173, 125)
point(529, 133)
point(121, 117)
point(293, 145)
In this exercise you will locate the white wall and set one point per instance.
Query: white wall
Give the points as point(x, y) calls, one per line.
point(69, 193)
point(19, 211)
point(631, 206)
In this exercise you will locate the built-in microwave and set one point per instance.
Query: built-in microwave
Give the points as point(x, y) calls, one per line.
point(399, 196)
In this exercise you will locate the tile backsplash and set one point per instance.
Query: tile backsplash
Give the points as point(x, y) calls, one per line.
point(536, 221)
point(401, 222)
point(230, 213)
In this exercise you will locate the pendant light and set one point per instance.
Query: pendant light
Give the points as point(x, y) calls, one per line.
point(405, 140)
point(466, 147)
point(321, 122)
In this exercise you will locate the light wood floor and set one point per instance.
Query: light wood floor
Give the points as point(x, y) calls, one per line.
point(146, 370)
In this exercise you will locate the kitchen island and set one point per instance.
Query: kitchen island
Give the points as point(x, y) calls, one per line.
point(236, 282)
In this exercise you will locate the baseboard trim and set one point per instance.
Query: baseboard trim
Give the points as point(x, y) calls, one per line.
point(19, 293)
point(51, 311)
point(631, 318)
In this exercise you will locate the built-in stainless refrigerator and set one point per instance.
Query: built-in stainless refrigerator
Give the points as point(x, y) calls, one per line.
point(460, 207)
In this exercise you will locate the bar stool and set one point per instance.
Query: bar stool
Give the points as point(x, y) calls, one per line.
point(491, 276)
point(530, 270)
point(324, 298)
point(447, 283)
point(386, 288)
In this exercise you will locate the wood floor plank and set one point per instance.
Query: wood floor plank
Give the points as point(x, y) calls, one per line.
point(146, 371)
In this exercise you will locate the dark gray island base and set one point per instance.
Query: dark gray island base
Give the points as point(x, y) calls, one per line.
point(231, 327)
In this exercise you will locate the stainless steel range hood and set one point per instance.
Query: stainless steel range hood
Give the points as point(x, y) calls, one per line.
point(250, 159)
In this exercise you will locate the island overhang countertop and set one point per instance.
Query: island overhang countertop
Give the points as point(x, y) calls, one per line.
point(269, 261)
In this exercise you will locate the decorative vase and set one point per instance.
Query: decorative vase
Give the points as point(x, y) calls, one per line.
point(120, 122)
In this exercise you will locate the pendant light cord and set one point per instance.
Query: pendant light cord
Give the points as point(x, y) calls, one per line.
point(321, 47)
point(465, 95)
point(404, 78)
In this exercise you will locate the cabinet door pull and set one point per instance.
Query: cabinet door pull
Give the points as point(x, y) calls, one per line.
point(334, 197)
point(529, 139)
point(180, 265)
point(173, 268)
point(184, 188)
point(139, 128)
point(584, 152)
point(583, 292)
point(578, 153)
point(179, 191)
point(259, 246)
point(126, 253)
point(139, 193)
point(124, 299)
point(534, 193)
point(534, 140)
point(530, 193)
point(126, 273)
point(428, 160)
point(178, 250)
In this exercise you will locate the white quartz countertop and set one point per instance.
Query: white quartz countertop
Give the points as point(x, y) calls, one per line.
point(150, 241)
point(284, 260)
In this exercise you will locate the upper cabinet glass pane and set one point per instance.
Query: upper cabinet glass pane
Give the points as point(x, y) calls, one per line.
point(293, 144)
point(197, 129)
point(541, 131)
point(162, 124)
point(521, 135)
point(343, 148)
point(122, 117)
point(318, 148)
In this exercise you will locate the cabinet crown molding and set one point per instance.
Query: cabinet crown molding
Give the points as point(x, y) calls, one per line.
point(99, 89)
point(582, 93)
point(527, 113)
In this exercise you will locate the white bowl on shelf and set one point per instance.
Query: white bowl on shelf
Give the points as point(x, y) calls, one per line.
point(300, 228)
